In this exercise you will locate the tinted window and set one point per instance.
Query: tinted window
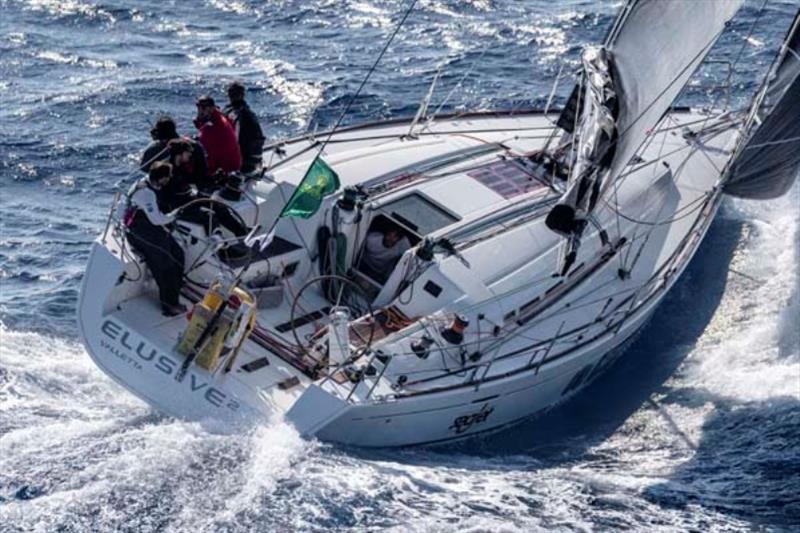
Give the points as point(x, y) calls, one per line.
point(418, 213)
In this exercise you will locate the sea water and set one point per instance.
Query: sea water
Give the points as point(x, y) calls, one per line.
point(697, 427)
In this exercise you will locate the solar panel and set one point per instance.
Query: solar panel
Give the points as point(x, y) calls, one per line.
point(506, 178)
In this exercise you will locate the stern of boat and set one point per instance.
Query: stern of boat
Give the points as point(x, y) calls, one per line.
point(129, 339)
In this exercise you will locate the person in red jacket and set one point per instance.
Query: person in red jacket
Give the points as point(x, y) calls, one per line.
point(217, 137)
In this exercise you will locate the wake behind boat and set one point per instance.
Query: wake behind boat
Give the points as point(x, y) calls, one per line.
point(533, 245)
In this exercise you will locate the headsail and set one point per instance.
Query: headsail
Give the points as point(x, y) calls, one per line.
point(769, 162)
point(597, 136)
point(654, 48)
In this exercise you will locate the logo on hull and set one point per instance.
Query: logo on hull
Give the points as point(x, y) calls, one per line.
point(465, 422)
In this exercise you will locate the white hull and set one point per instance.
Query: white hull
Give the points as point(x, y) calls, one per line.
point(575, 327)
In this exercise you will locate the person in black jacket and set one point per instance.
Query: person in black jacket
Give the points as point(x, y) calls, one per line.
point(248, 129)
point(163, 132)
point(189, 170)
point(146, 229)
point(189, 166)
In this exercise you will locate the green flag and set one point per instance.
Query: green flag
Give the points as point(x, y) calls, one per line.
point(319, 182)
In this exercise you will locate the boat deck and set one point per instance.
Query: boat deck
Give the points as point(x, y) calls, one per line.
point(474, 186)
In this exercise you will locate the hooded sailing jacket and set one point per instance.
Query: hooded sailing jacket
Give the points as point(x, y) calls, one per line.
point(219, 141)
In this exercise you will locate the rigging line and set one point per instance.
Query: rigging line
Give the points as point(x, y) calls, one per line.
point(619, 226)
point(455, 87)
point(698, 145)
point(772, 143)
point(756, 100)
point(554, 132)
point(750, 32)
point(312, 143)
point(644, 244)
point(699, 200)
point(695, 143)
point(346, 110)
point(647, 108)
point(623, 258)
point(366, 78)
point(564, 310)
point(744, 44)
point(679, 125)
point(395, 136)
point(687, 146)
point(644, 203)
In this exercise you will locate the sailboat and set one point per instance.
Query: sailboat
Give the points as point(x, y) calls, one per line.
point(537, 244)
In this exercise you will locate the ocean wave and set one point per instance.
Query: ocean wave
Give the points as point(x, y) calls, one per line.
point(699, 421)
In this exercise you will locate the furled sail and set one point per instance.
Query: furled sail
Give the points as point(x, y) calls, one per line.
point(595, 143)
point(769, 162)
point(653, 49)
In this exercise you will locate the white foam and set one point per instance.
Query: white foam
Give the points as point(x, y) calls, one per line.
point(750, 350)
point(83, 443)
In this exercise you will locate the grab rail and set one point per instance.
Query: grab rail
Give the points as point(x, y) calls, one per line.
point(111, 212)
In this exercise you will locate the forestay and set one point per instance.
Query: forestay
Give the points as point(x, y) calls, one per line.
point(770, 161)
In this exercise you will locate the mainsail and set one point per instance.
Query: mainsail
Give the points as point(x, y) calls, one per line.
point(653, 49)
point(769, 161)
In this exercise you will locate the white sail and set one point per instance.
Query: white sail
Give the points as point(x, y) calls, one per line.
point(654, 48)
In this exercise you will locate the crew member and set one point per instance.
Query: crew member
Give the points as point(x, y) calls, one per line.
point(382, 250)
point(189, 166)
point(146, 230)
point(218, 138)
point(196, 206)
point(248, 129)
point(163, 132)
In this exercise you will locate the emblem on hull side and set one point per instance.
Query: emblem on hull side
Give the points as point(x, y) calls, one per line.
point(465, 422)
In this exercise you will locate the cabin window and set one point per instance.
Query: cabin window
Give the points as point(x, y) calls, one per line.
point(418, 214)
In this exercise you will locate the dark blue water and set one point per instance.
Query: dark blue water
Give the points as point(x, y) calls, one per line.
point(696, 428)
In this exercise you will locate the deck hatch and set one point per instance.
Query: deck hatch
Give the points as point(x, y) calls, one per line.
point(427, 217)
